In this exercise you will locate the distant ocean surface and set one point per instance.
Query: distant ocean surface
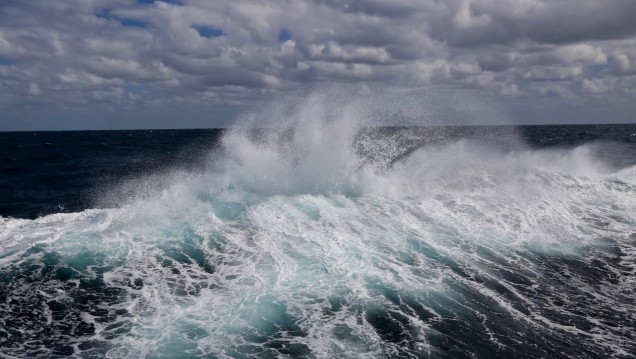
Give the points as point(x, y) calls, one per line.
point(319, 241)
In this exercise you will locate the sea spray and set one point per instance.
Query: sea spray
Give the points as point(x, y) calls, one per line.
point(328, 238)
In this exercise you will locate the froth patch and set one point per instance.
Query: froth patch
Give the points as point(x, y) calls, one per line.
point(327, 241)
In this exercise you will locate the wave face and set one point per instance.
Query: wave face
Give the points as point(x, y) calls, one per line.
point(330, 239)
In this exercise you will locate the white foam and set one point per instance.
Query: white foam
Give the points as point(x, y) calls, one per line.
point(294, 221)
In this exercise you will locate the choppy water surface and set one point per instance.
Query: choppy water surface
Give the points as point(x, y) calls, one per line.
point(335, 240)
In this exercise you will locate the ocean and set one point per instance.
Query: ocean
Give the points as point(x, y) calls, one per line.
point(319, 240)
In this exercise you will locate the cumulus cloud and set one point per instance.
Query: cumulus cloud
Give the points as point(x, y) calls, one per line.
point(137, 55)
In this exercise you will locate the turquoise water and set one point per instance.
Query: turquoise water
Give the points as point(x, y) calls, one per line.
point(335, 240)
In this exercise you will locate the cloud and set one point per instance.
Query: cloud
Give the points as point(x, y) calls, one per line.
point(623, 62)
point(138, 55)
point(477, 23)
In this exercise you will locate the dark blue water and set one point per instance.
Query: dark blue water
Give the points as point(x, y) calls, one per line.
point(51, 172)
point(443, 242)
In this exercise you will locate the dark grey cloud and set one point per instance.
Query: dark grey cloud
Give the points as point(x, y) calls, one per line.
point(400, 9)
point(479, 23)
point(130, 58)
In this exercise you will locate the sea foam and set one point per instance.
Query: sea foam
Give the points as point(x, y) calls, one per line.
point(328, 238)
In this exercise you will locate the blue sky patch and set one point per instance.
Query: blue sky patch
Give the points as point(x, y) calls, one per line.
point(207, 31)
point(284, 35)
point(148, 2)
point(5, 62)
point(105, 14)
point(596, 70)
point(133, 23)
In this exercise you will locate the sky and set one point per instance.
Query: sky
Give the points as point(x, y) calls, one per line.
point(111, 64)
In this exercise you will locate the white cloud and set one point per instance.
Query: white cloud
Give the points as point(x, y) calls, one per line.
point(623, 63)
point(580, 53)
point(553, 73)
point(74, 52)
point(465, 19)
point(598, 86)
point(34, 89)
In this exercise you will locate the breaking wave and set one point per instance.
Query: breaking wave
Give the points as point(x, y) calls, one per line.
point(330, 238)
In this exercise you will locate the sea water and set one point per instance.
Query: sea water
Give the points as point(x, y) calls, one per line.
point(324, 237)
